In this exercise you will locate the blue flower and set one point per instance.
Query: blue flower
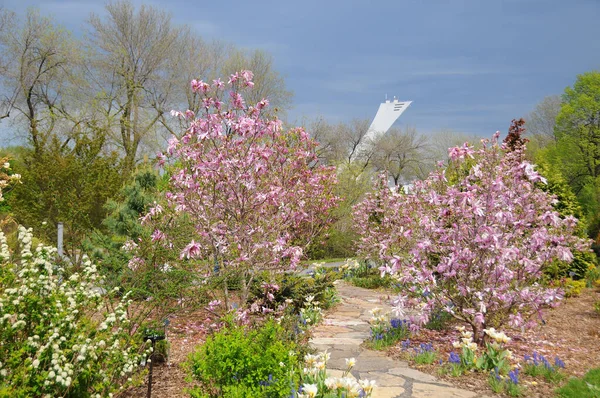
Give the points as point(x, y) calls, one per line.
point(514, 376)
point(559, 363)
point(454, 358)
point(398, 323)
point(426, 347)
point(406, 344)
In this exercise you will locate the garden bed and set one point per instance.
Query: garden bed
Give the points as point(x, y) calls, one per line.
point(187, 331)
point(571, 332)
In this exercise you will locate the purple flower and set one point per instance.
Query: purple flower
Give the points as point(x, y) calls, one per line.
point(406, 344)
point(559, 363)
point(514, 376)
point(399, 323)
point(454, 358)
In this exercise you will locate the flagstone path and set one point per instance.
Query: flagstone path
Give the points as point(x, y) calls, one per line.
point(343, 330)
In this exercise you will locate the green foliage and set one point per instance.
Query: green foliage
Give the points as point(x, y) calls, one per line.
point(586, 386)
point(425, 358)
point(550, 373)
point(576, 153)
point(500, 384)
point(571, 287)
point(311, 314)
point(495, 357)
point(339, 239)
point(597, 307)
point(133, 201)
point(567, 205)
point(241, 362)
point(65, 184)
point(297, 288)
point(592, 277)
point(59, 336)
point(384, 332)
point(439, 320)
point(333, 243)
point(365, 275)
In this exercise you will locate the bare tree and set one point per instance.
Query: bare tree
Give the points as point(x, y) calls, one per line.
point(268, 83)
point(541, 121)
point(40, 66)
point(7, 97)
point(400, 154)
point(135, 61)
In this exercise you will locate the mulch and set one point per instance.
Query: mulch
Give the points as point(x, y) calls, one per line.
point(571, 332)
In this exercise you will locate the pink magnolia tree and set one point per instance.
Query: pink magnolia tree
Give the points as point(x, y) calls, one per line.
point(472, 239)
point(253, 191)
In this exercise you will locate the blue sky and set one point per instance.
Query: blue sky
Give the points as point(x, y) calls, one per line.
point(469, 65)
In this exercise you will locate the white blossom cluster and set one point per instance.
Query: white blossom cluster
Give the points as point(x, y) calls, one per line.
point(314, 374)
point(54, 327)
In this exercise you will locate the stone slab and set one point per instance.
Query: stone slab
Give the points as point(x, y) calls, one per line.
point(387, 392)
point(413, 374)
point(420, 390)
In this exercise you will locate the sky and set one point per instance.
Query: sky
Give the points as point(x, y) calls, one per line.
point(469, 66)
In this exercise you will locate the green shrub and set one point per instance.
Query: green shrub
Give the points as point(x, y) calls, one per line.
point(586, 386)
point(370, 282)
point(365, 275)
point(238, 362)
point(571, 287)
point(296, 288)
point(57, 335)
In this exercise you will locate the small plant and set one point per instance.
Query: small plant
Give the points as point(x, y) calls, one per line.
point(495, 381)
point(509, 385)
point(424, 354)
point(468, 348)
point(537, 365)
point(495, 355)
point(311, 314)
point(315, 383)
point(597, 307)
point(386, 332)
point(454, 366)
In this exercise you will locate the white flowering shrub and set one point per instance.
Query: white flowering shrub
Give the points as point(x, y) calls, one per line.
point(59, 337)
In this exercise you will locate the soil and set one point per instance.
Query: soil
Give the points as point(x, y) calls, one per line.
point(571, 332)
point(186, 331)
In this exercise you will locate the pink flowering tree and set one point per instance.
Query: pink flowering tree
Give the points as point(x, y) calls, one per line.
point(253, 191)
point(473, 239)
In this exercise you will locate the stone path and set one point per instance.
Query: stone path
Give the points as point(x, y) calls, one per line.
point(343, 331)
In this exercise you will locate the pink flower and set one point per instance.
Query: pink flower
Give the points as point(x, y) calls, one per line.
point(157, 235)
point(192, 250)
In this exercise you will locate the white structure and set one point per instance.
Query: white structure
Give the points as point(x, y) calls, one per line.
point(387, 114)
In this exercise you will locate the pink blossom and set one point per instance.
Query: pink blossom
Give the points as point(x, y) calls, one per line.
point(479, 240)
point(157, 235)
point(192, 250)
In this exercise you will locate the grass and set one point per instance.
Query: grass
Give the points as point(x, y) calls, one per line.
point(586, 386)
